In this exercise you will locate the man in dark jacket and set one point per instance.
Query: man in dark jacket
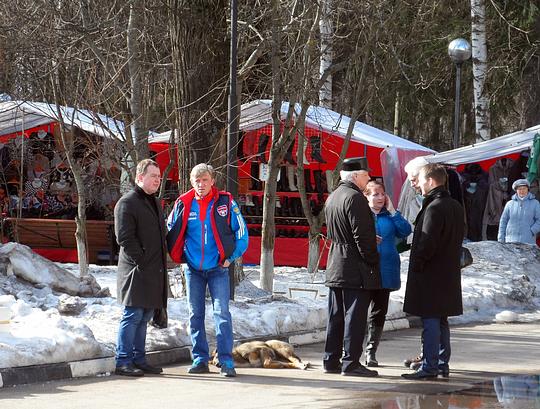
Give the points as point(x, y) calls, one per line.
point(433, 289)
point(142, 274)
point(352, 270)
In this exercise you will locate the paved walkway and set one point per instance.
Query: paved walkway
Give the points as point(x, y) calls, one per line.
point(480, 353)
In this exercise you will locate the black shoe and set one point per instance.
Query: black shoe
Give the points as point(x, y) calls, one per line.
point(201, 367)
point(128, 370)
point(445, 373)
point(332, 370)
point(419, 375)
point(227, 371)
point(361, 371)
point(148, 368)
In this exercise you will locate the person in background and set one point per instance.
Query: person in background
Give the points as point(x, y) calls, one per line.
point(142, 279)
point(410, 203)
point(520, 219)
point(4, 202)
point(352, 270)
point(410, 199)
point(390, 225)
point(433, 289)
point(207, 231)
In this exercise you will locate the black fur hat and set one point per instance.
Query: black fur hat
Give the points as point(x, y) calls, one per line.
point(360, 163)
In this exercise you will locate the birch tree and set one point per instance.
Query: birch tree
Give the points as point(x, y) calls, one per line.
point(326, 37)
point(480, 70)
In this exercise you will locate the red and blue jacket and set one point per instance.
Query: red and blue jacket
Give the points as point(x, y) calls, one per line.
point(205, 240)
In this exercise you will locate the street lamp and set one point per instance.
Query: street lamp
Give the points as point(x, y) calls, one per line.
point(459, 51)
point(233, 124)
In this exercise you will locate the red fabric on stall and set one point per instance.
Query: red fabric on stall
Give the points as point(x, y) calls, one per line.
point(287, 252)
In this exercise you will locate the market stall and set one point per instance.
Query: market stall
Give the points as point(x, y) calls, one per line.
point(324, 134)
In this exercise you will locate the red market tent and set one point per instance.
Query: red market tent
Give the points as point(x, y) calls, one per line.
point(331, 127)
point(324, 131)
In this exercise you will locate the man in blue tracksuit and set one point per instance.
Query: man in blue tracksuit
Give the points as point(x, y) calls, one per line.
point(207, 231)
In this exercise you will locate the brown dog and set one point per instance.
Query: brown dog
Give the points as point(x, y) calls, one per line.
point(272, 354)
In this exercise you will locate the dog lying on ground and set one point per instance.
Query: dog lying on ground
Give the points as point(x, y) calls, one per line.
point(271, 354)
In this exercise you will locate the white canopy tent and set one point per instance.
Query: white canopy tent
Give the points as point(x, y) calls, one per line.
point(503, 145)
point(258, 113)
point(16, 116)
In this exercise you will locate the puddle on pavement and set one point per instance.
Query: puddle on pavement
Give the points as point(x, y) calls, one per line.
point(506, 392)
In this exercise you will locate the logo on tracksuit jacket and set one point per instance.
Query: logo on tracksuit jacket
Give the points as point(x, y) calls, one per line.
point(220, 221)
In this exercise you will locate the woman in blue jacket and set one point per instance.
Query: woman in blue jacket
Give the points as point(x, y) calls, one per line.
point(520, 219)
point(390, 225)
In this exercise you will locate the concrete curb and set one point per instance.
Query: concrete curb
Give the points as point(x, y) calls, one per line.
point(85, 368)
point(105, 366)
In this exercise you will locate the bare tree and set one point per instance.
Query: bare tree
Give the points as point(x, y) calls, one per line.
point(134, 35)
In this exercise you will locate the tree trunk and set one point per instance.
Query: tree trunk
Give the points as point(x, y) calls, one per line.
point(269, 228)
point(134, 35)
point(68, 144)
point(199, 40)
point(268, 224)
point(326, 59)
point(80, 220)
point(314, 253)
point(397, 109)
point(479, 61)
point(530, 88)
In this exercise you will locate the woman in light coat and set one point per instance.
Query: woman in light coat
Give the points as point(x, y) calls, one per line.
point(520, 220)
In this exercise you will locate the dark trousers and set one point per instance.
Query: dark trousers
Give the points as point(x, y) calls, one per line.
point(347, 317)
point(379, 307)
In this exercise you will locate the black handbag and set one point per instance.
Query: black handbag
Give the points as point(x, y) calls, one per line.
point(465, 258)
point(160, 319)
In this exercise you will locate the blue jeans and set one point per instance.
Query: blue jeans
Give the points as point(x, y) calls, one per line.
point(132, 335)
point(436, 344)
point(217, 280)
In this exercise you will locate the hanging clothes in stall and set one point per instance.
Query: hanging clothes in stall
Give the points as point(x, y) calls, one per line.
point(518, 170)
point(454, 185)
point(533, 165)
point(497, 197)
point(475, 191)
point(410, 203)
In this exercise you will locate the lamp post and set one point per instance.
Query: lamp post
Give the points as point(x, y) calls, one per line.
point(233, 114)
point(459, 51)
point(233, 124)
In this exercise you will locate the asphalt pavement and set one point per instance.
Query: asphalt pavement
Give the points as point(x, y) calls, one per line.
point(480, 354)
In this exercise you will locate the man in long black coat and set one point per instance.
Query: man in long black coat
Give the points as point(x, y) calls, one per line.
point(433, 289)
point(142, 273)
point(352, 270)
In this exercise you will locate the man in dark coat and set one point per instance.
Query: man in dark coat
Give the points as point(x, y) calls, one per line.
point(352, 270)
point(142, 273)
point(433, 289)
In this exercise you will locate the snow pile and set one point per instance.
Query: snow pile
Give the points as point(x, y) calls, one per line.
point(502, 277)
point(50, 325)
point(40, 337)
point(19, 260)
